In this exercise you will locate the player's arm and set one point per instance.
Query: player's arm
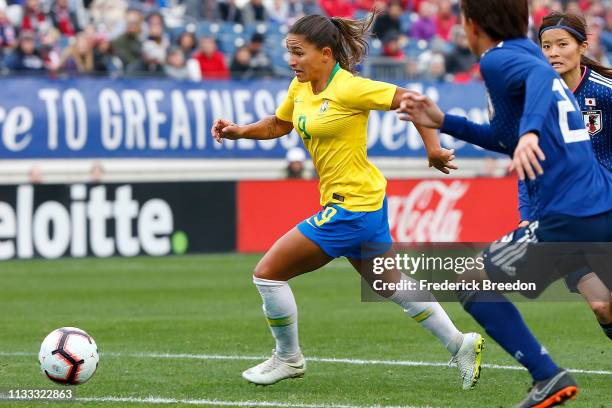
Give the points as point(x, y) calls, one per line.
point(270, 127)
point(422, 111)
point(438, 157)
point(537, 80)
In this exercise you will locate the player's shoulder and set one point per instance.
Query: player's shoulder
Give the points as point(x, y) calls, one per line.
point(345, 83)
point(343, 80)
point(515, 53)
point(600, 82)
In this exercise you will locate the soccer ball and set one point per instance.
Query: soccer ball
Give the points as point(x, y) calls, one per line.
point(68, 356)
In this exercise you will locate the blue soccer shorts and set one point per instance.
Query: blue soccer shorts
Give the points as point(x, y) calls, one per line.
point(339, 232)
point(552, 248)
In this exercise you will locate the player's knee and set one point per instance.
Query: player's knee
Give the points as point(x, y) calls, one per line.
point(603, 311)
point(263, 270)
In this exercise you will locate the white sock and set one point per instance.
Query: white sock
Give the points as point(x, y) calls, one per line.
point(281, 312)
point(430, 315)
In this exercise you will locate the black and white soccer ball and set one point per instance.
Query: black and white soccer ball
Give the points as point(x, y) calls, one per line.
point(68, 356)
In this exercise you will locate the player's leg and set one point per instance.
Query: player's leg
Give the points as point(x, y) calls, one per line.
point(599, 297)
point(292, 255)
point(421, 306)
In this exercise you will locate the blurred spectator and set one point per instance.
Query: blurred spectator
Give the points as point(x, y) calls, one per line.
point(151, 63)
point(388, 21)
point(34, 19)
point(432, 66)
point(278, 11)
point(573, 7)
point(412, 69)
point(114, 30)
point(369, 5)
point(310, 7)
point(156, 35)
point(212, 61)
point(64, 18)
point(425, 26)
point(128, 46)
point(606, 35)
point(337, 8)
point(176, 66)
point(78, 58)
point(391, 46)
point(187, 42)
point(445, 19)
point(25, 58)
point(460, 58)
point(201, 9)
point(105, 62)
point(254, 11)
point(109, 14)
point(295, 163)
point(539, 9)
point(230, 12)
point(596, 50)
point(8, 38)
point(261, 64)
point(241, 67)
point(35, 175)
point(49, 48)
point(96, 173)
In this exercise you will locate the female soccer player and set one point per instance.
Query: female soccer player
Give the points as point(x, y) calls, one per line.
point(563, 39)
point(536, 120)
point(329, 107)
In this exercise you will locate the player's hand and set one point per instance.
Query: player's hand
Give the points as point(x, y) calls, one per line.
point(420, 110)
point(527, 157)
point(523, 224)
point(224, 129)
point(441, 160)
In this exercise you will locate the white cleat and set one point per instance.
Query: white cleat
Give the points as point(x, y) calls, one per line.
point(274, 370)
point(468, 359)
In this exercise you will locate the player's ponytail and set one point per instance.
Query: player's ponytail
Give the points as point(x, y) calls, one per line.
point(576, 26)
point(347, 38)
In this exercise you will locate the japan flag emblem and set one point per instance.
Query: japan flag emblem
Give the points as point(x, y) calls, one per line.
point(592, 121)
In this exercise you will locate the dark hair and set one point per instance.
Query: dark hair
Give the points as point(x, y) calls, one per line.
point(347, 38)
point(187, 34)
point(500, 19)
point(576, 26)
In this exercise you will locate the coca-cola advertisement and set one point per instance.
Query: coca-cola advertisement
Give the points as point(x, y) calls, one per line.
point(420, 210)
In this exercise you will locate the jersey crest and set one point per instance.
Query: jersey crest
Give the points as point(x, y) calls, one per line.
point(592, 121)
point(324, 106)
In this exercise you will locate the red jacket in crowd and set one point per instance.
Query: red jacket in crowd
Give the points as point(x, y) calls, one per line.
point(213, 67)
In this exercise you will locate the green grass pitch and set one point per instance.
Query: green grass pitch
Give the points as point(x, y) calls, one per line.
point(197, 306)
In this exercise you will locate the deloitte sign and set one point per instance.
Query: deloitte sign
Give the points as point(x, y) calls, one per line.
point(52, 221)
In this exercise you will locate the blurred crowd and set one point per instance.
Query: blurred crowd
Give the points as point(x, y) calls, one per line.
point(243, 39)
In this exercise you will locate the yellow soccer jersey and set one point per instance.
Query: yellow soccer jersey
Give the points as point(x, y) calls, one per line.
point(333, 126)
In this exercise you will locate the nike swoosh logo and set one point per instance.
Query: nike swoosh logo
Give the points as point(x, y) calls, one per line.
point(541, 394)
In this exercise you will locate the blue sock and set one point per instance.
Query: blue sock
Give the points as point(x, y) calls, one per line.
point(503, 322)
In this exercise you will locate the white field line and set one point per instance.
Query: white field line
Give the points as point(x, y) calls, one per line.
point(311, 359)
point(214, 402)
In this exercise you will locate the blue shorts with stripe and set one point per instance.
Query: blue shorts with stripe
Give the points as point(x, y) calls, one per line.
point(339, 232)
point(552, 248)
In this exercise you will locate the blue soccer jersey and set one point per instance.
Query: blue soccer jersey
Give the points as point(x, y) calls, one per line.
point(594, 95)
point(526, 95)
